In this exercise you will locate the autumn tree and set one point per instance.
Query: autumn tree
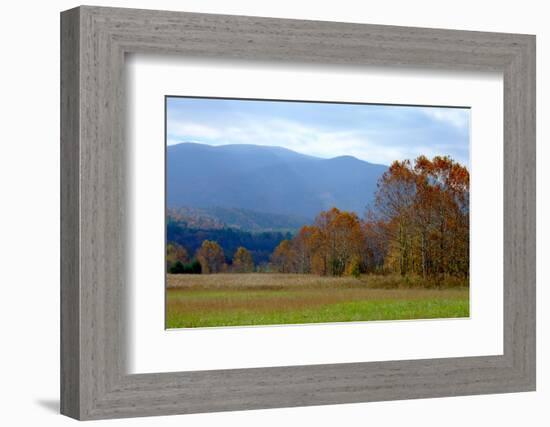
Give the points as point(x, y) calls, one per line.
point(305, 245)
point(442, 216)
point(242, 261)
point(329, 247)
point(395, 203)
point(175, 254)
point(376, 243)
point(283, 258)
point(211, 257)
point(423, 213)
point(340, 239)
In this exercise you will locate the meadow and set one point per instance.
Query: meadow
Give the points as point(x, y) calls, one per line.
point(233, 299)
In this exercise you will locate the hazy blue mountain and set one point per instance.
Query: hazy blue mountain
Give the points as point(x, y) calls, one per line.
point(267, 179)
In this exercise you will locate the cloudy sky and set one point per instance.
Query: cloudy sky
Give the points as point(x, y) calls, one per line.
point(375, 133)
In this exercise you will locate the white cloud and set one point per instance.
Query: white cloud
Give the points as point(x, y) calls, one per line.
point(372, 146)
point(457, 117)
point(284, 133)
point(196, 130)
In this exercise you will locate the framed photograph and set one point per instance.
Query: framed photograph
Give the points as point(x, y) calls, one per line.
point(347, 228)
point(261, 213)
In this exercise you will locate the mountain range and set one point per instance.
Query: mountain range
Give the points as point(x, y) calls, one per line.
point(267, 179)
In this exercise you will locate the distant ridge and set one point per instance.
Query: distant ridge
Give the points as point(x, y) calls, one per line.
point(267, 179)
point(241, 219)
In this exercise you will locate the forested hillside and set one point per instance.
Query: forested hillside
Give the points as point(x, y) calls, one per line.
point(260, 244)
point(216, 217)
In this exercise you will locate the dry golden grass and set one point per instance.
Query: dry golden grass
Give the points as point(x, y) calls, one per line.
point(252, 281)
point(278, 281)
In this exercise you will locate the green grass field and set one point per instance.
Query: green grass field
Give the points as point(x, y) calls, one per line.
point(194, 301)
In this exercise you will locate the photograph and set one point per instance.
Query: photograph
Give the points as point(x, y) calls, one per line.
point(286, 212)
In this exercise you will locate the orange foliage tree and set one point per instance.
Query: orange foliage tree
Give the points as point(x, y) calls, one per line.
point(242, 261)
point(329, 247)
point(283, 258)
point(423, 213)
point(211, 257)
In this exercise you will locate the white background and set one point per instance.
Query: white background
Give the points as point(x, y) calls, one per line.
point(29, 222)
point(152, 349)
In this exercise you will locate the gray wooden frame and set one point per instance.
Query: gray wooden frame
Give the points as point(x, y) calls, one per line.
point(94, 41)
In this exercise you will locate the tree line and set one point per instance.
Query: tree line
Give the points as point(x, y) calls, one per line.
point(260, 244)
point(209, 258)
point(418, 224)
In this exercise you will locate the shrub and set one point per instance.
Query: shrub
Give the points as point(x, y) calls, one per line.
point(194, 268)
point(177, 268)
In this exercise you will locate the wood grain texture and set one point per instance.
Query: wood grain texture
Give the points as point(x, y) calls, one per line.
point(94, 381)
point(70, 220)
